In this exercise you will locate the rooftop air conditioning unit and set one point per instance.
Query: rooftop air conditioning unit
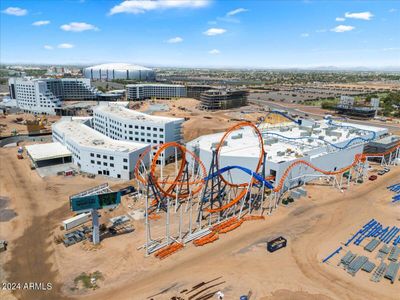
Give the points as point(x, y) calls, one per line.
point(98, 142)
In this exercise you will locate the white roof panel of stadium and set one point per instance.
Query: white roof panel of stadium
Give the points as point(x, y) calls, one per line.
point(118, 66)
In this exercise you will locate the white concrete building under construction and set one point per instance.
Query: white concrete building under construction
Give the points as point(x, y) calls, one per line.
point(94, 152)
point(155, 90)
point(120, 123)
point(327, 146)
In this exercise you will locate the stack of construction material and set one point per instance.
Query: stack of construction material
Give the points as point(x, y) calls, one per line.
point(395, 188)
point(167, 251)
point(356, 265)
point(394, 254)
point(379, 272)
point(383, 252)
point(209, 238)
point(368, 266)
point(371, 246)
point(392, 270)
point(347, 259)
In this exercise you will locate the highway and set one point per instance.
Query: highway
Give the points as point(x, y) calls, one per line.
point(298, 111)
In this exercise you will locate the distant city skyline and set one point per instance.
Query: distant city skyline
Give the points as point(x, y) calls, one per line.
point(203, 33)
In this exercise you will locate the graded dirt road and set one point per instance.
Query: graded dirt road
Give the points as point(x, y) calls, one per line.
point(40, 204)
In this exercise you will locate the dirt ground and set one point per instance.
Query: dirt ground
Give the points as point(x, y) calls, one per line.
point(8, 123)
point(238, 261)
point(200, 122)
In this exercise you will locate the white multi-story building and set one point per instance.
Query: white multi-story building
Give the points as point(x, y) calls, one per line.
point(121, 123)
point(154, 90)
point(44, 96)
point(95, 153)
point(33, 95)
point(72, 88)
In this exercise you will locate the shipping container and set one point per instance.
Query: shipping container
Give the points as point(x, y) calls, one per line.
point(276, 244)
point(76, 221)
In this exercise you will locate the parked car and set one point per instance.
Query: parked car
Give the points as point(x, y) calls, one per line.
point(373, 177)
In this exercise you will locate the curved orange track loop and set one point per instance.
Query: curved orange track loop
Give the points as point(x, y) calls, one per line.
point(180, 172)
point(175, 181)
point(244, 184)
point(358, 158)
point(167, 192)
point(225, 136)
point(140, 159)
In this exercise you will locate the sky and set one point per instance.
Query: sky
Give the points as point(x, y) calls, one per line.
point(202, 33)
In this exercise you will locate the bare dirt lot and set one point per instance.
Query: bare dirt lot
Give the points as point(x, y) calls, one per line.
point(200, 122)
point(9, 123)
point(237, 263)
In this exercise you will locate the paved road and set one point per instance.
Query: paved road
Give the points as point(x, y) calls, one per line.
point(300, 112)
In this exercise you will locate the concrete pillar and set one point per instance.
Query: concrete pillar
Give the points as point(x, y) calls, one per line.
point(96, 231)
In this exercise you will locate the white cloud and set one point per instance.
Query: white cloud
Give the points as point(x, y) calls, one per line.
point(175, 40)
point(65, 46)
point(392, 10)
point(214, 52)
point(391, 49)
point(361, 15)
point(40, 23)
point(305, 35)
point(15, 11)
point(142, 6)
point(78, 27)
point(236, 11)
point(339, 19)
point(320, 30)
point(48, 47)
point(342, 28)
point(214, 31)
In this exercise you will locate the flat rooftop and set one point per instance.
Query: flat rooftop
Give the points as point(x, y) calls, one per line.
point(47, 151)
point(289, 141)
point(76, 130)
point(130, 114)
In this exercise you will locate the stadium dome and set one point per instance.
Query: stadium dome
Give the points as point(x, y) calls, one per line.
point(119, 71)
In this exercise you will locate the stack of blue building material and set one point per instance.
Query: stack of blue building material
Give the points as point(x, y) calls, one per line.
point(395, 188)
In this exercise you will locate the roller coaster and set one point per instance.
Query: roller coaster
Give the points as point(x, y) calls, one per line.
point(199, 206)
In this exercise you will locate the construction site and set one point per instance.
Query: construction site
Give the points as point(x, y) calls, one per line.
point(267, 199)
